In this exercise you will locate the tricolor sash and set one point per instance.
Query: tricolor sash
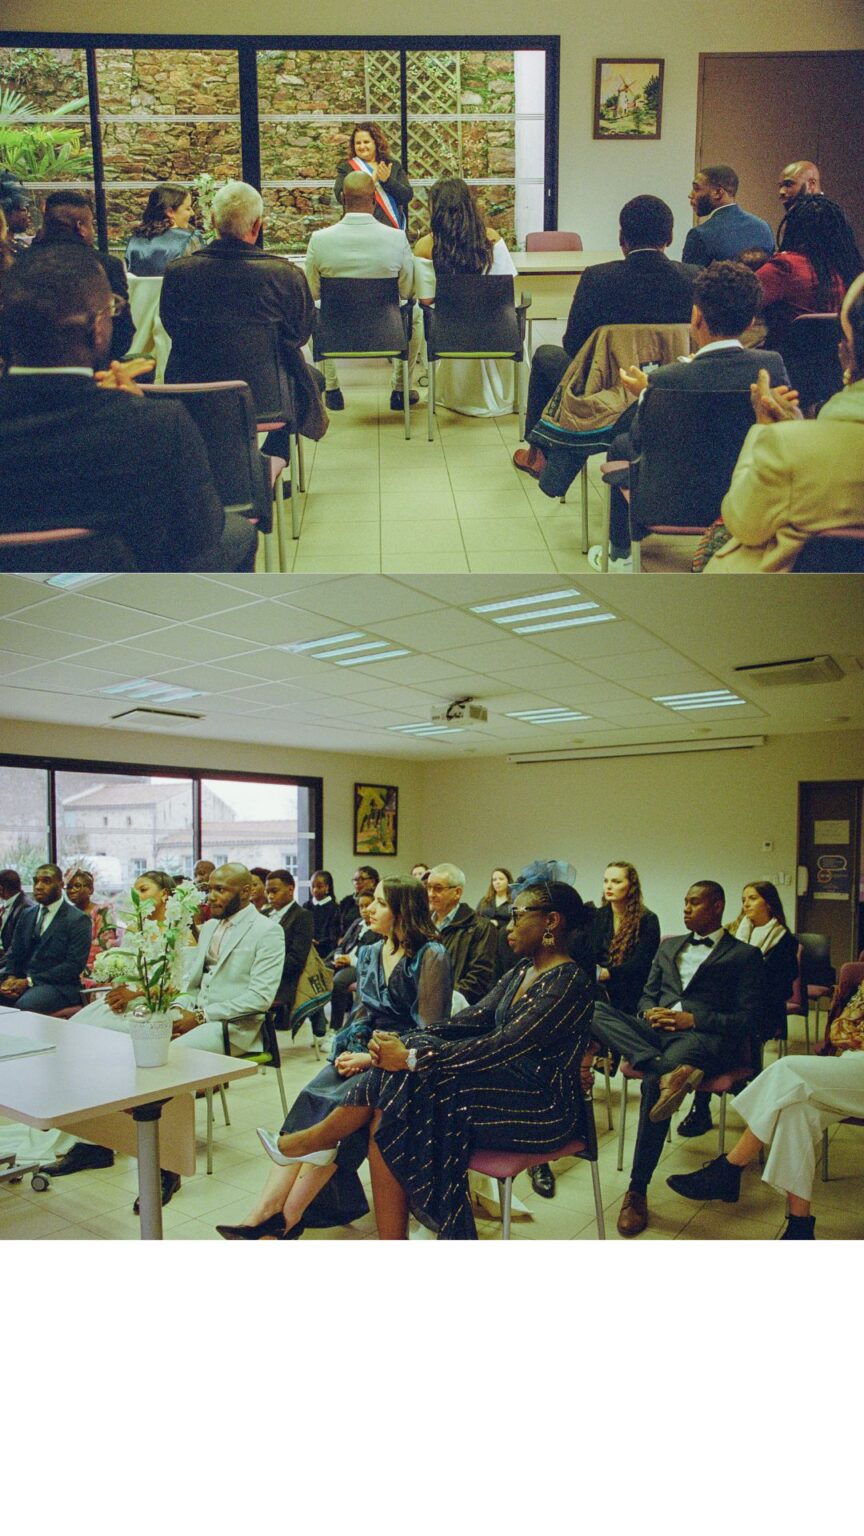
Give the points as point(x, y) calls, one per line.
point(390, 208)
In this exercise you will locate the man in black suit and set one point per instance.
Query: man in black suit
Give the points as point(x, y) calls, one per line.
point(74, 454)
point(298, 930)
point(699, 1009)
point(646, 287)
point(725, 299)
point(67, 219)
point(13, 901)
point(49, 949)
point(232, 284)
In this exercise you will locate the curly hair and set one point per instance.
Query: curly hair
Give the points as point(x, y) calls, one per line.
point(379, 137)
point(164, 199)
point(817, 228)
point(634, 910)
point(460, 244)
point(412, 921)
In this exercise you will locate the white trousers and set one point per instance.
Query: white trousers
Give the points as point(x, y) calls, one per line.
point(788, 1107)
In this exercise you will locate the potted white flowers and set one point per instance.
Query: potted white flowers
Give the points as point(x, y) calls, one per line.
point(150, 962)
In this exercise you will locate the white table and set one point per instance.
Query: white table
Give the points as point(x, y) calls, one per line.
point(89, 1085)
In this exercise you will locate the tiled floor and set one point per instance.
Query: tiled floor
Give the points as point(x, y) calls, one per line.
point(375, 502)
point(98, 1203)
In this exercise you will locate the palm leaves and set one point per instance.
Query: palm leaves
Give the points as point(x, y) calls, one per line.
point(40, 151)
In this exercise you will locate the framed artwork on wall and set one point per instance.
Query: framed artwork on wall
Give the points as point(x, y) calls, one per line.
point(628, 98)
point(376, 819)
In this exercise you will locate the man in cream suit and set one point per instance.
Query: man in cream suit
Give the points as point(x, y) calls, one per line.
point(358, 246)
point(236, 971)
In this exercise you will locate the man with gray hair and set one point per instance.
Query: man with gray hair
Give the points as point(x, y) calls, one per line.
point(232, 283)
point(470, 941)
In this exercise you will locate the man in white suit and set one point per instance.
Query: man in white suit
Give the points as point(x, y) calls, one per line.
point(236, 971)
point(358, 246)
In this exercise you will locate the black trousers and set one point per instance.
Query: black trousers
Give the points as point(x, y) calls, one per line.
point(341, 998)
point(548, 367)
point(656, 1052)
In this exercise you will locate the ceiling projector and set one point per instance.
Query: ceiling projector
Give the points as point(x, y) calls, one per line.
point(463, 711)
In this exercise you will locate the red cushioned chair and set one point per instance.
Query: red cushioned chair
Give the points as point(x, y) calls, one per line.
point(553, 240)
point(504, 1166)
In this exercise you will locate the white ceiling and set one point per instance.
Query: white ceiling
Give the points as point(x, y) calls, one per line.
point(219, 634)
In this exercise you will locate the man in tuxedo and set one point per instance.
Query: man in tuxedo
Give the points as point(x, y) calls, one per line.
point(49, 949)
point(360, 246)
point(364, 881)
point(725, 299)
point(726, 230)
point(13, 901)
point(233, 284)
point(68, 219)
point(645, 288)
point(80, 447)
point(297, 926)
point(696, 1015)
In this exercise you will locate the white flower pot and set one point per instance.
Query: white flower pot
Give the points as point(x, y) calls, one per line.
point(150, 1034)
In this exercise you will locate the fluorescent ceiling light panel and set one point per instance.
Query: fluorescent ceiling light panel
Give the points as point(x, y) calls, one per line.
point(145, 688)
point(350, 650)
point(544, 613)
point(70, 580)
point(367, 661)
point(589, 618)
point(428, 730)
point(545, 716)
point(313, 645)
point(526, 602)
point(713, 698)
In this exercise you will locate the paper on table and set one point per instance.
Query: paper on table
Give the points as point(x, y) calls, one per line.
point(15, 1045)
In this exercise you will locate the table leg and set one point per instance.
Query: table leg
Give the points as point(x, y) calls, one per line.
point(147, 1117)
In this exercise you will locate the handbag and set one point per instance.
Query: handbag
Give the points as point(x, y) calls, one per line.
point(316, 980)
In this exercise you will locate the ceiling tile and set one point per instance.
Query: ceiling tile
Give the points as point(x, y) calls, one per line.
point(173, 596)
point(80, 614)
point(353, 602)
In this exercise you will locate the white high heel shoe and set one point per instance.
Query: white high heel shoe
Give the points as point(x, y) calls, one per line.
point(270, 1144)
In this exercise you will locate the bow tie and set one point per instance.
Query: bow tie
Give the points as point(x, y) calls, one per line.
point(700, 943)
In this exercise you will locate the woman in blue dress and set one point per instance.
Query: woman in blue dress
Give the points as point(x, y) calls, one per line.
point(403, 983)
point(163, 233)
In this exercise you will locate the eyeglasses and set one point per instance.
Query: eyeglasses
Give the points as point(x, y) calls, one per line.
point(517, 913)
point(436, 888)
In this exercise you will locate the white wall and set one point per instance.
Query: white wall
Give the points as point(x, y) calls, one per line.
point(678, 818)
point(339, 772)
point(595, 178)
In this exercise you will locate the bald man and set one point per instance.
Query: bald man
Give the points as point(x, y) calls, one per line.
point(800, 179)
point(359, 246)
point(236, 970)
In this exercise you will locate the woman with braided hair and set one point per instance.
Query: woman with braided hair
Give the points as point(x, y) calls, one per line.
point(816, 262)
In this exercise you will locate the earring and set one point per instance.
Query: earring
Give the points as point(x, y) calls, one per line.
point(548, 939)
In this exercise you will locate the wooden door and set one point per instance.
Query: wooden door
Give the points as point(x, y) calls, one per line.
point(829, 843)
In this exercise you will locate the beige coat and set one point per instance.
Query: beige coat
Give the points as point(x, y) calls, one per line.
point(793, 479)
point(591, 395)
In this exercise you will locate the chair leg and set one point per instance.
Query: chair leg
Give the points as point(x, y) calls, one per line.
point(208, 1095)
point(636, 552)
point(301, 469)
point(722, 1137)
point(607, 524)
point(598, 1200)
point(406, 397)
point(584, 488)
point(295, 490)
point(278, 534)
point(807, 1028)
point(271, 552)
point(608, 1083)
point(505, 1187)
point(281, 1083)
point(430, 402)
point(825, 1157)
point(520, 400)
point(224, 1103)
point(622, 1110)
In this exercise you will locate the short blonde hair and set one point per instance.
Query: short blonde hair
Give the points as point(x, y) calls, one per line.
point(236, 208)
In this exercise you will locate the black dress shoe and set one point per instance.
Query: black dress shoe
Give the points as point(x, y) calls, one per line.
point(543, 1181)
point(699, 1121)
point(334, 399)
point(718, 1180)
point(83, 1155)
point(274, 1226)
point(397, 399)
point(170, 1186)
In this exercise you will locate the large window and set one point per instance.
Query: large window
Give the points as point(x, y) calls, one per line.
point(119, 819)
point(279, 112)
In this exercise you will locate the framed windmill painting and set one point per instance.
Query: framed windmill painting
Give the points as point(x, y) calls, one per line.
point(628, 98)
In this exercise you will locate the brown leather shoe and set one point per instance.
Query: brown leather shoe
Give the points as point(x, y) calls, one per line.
point(633, 1215)
point(532, 461)
point(673, 1088)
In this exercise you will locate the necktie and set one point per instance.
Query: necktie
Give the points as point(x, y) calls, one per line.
point(40, 921)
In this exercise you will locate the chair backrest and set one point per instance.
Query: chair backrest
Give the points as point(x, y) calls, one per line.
point(553, 240)
point(834, 550)
point(210, 354)
point(224, 414)
point(362, 315)
point(816, 967)
point(795, 1002)
point(64, 549)
point(474, 316)
point(270, 1039)
point(690, 445)
point(810, 354)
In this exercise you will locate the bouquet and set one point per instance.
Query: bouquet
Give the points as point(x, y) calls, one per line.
point(150, 959)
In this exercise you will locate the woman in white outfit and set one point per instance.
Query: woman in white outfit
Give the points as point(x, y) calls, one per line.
point(786, 1108)
point(461, 243)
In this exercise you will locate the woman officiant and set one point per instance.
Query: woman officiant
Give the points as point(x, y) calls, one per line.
point(370, 152)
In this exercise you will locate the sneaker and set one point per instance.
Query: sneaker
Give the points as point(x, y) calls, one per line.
point(397, 399)
point(595, 555)
point(718, 1180)
point(334, 399)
